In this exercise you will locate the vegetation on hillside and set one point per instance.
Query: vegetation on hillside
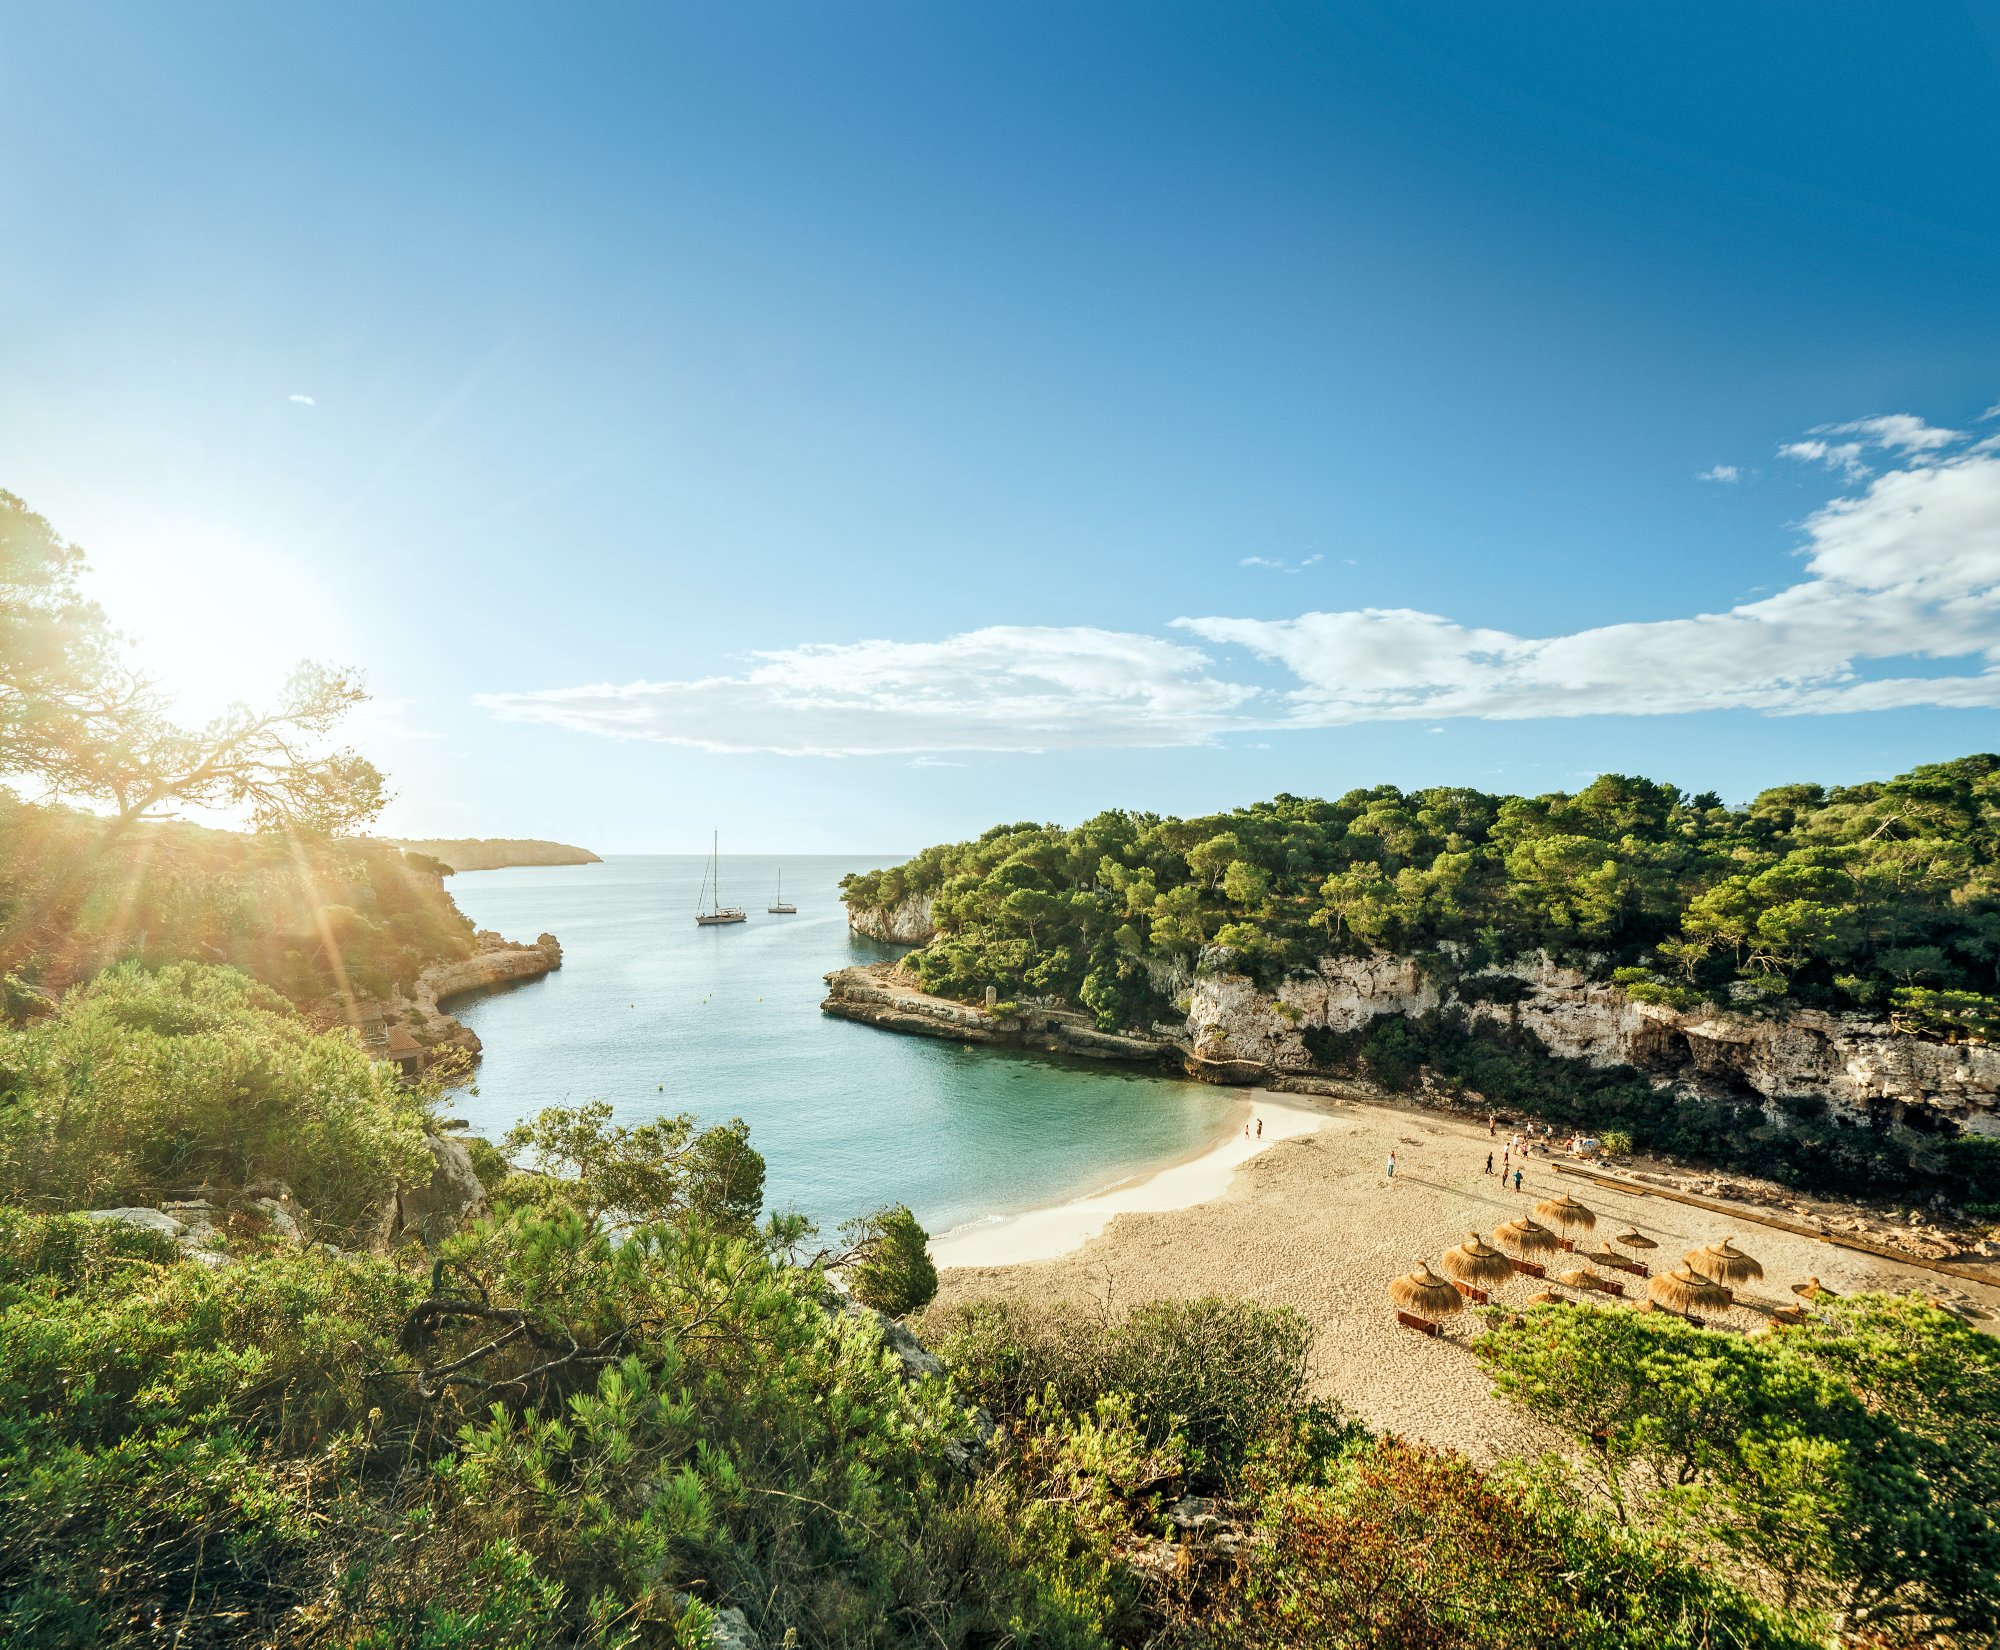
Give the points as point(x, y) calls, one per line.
point(305, 914)
point(1882, 898)
point(494, 853)
point(618, 1403)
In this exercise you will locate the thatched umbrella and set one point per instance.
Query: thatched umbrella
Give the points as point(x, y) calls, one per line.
point(1603, 1255)
point(1526, 1239)
point(1790, 1314)
point(1812, 1289)
point(1635, 1240)
point(1547, 1297)
point(1723, 1263)
point(1684, 1290)
point(1567, 1214)
point(1425, 1294)
point(1477, 1262)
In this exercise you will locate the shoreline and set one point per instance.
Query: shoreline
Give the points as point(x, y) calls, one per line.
point(1310, 1222)
point(1051, 1231)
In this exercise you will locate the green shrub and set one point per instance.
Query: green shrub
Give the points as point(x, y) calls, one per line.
point(149, 1082)
point(891, 1269)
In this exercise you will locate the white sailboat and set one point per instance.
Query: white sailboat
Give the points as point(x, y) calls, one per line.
point(778, 907)
point(716, 913)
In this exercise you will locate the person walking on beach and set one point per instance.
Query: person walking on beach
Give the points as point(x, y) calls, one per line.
point(1392, 1165)
point(1517, 1180)
point(1260, 1128)
point(1492, 1126)
point(1489, 1162)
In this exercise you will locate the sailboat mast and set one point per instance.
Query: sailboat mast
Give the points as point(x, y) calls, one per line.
point(714, 882)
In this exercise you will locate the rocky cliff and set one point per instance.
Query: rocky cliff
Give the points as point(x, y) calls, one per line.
point(1856, 1066)
point(907, 923)
point(495, 962)
point(1236, 1033)
point(879, 994)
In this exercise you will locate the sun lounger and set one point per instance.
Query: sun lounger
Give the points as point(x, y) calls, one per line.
point(1423, 1326)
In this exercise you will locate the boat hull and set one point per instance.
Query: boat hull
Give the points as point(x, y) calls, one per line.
point(718, 919)
point(782, 910)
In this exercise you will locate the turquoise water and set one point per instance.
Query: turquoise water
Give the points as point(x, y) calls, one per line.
point(656, 1015)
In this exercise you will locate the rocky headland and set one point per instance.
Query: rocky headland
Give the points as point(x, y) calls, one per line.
point(1233, 1031)
point(495, 853)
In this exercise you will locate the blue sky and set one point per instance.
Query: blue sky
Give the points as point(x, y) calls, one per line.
point(852, 426)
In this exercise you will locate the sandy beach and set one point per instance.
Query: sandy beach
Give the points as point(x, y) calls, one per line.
point(1307, 1218)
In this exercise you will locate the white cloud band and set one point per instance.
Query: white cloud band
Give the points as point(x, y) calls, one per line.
point(1901, 579)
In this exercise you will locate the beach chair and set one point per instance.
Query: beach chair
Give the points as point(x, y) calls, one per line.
point(1423, 1326)
point(1531, 1268)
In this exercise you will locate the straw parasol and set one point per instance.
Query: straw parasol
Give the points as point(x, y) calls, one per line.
point(1685, 1290)
point(1568, 1214)
point(1723, 1263)
point(1603, 1255)
point(1812, 1289)
point(1790, 1314)
point(1426, 1294)
point(1526, 1239)
point(1635, 1240)
point(1580, 1279)
point(1477, 1262)
point(1547, 1297)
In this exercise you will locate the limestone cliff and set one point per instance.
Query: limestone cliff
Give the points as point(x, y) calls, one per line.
point(494, 962)
point(880, 994)
point(1857, 1066)
point(1235, 1032)
point(906, 923)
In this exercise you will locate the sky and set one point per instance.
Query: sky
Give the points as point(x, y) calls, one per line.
point(848, 427)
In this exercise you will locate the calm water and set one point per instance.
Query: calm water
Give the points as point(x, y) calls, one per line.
point(656, 1015)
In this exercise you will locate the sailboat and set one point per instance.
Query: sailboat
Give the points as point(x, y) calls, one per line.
point(717, 913)
point(778, 907)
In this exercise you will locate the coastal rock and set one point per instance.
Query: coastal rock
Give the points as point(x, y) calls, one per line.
point(146, 1220)
point(880, 994)
point(430, 1212)
point(918, 1362)
point(494, 962)
point(906, 923)
point(1859, 1068)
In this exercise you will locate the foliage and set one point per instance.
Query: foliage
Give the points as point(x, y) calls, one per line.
point(890, 1268)
point(76, 720)
point(1856, 1460)
point(309, 916)
point(1219, 1373)
point(148, 1082)
point(664, 1169)
point(1402, 1546)
point(1838, 898)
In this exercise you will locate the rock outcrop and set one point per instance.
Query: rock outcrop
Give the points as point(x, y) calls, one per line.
point(431, 1212)
point(1856, 1066)
point(906, 923)
point(879, 994)
point(495, 962)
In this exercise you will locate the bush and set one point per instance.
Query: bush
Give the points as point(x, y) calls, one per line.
point(891, 1268)
point(149, 1082)
point(1219, 1372)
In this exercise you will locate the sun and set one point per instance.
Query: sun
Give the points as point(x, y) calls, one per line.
point(216, 622)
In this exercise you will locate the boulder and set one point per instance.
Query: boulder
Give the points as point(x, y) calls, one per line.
point(432, 1211)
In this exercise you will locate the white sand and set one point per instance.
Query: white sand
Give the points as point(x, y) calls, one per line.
point(1316, 1225)
point(1045, 1234)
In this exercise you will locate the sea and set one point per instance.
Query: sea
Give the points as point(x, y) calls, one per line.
point(657, 1016)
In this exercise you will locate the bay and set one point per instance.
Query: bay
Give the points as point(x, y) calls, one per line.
point(657, 1016)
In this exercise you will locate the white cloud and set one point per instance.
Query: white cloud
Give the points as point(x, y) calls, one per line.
point(1006, 688)
point(1719, 472)
point(933, 762)
point(1991, 412)
point(303, 400)
point(1896, 430)
point(1908, 570)
point(1846, 456)
point(1898, 606)
point(1281, 566)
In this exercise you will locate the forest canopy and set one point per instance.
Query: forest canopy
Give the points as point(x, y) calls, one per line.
point(1879, 898)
